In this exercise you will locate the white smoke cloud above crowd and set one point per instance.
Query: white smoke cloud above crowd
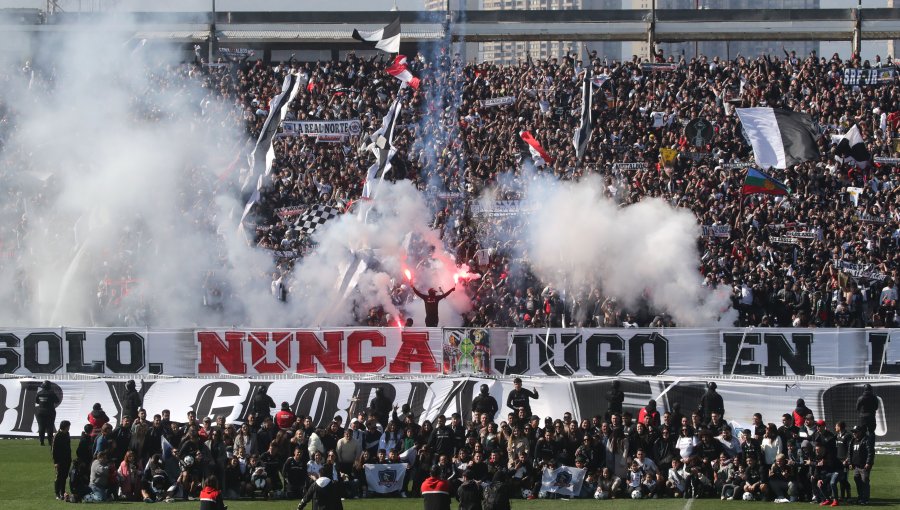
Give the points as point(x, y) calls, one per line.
point(147, 206)
point(576, 238)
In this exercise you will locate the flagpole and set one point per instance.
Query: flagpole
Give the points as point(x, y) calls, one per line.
point(741, 203)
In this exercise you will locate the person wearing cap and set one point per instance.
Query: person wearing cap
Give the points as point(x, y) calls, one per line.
point(862, 457)
point(484, 403)
point(285, 418)
point(436, 491)
point(131, 400)
point(867, 406)
point(711, 402)
point(520, 398)
point(46, 401)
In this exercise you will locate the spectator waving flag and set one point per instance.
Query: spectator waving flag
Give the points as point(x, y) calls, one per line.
point(758, 182)
point(386, 39)
point(780, 138)
point(399, 70)
point(314, 217)
point(851, 148)
point(583, 133)
point(537, 153)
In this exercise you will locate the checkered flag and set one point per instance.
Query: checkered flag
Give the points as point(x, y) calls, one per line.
point(312, 218)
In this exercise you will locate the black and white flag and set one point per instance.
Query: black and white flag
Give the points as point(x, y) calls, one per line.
point(382, 145)
point(583, 132)
point(780, 138)
point(314, 217)
point(851, 148)
point(386, 39)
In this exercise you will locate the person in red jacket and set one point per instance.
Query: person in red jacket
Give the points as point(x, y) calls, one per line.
point(436, 491)
point(651, 411)
point(285, 418)
point(97, 418)
point(211, 496)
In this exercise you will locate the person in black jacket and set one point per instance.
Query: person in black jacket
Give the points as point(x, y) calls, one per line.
point(294, 474)
point(46, 401)
point(867, 406)
point(469, 493)
point(380, 407)
point(131, 401)
point(85, 451)
point(262, 407)
point(711, 402)
point(614, 399)
point(324, 494)
point(485, 404)
point(862, 457)
point(62, 458)
point(432, 299)
point(520, 398)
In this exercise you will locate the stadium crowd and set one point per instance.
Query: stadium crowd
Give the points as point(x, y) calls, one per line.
point(652, 453)
point(844, 272)
point(454, 147)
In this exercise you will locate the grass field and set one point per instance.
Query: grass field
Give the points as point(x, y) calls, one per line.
point(26, 483)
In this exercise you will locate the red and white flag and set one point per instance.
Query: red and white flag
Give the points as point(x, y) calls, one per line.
point(538, 154)
point(399, 70)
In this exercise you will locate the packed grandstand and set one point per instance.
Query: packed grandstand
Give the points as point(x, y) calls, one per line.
point(483, 173)
point(824, 256)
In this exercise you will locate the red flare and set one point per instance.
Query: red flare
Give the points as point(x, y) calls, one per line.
point(408, 274)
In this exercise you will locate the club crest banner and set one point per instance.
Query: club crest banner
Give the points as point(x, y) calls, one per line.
point(385, 478)
point(565, 480)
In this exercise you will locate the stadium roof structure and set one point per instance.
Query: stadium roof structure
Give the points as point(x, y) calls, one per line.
point(298, 29)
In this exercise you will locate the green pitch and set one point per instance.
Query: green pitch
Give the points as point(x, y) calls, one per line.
point(26, 483)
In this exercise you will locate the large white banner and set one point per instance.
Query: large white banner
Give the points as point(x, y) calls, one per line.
point(335, 351)
point(499, 352)
point(323, 398)
point(564, 480)
point(696, 352)
point(385, 478)
point(96, 351)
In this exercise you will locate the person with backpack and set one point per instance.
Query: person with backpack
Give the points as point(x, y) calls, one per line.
point(469, 493)
point(436, 491)
point(496, 495)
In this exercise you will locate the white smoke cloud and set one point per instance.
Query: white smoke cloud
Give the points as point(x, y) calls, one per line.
point(399, 211)
point(131, 194)
point(576, 238)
